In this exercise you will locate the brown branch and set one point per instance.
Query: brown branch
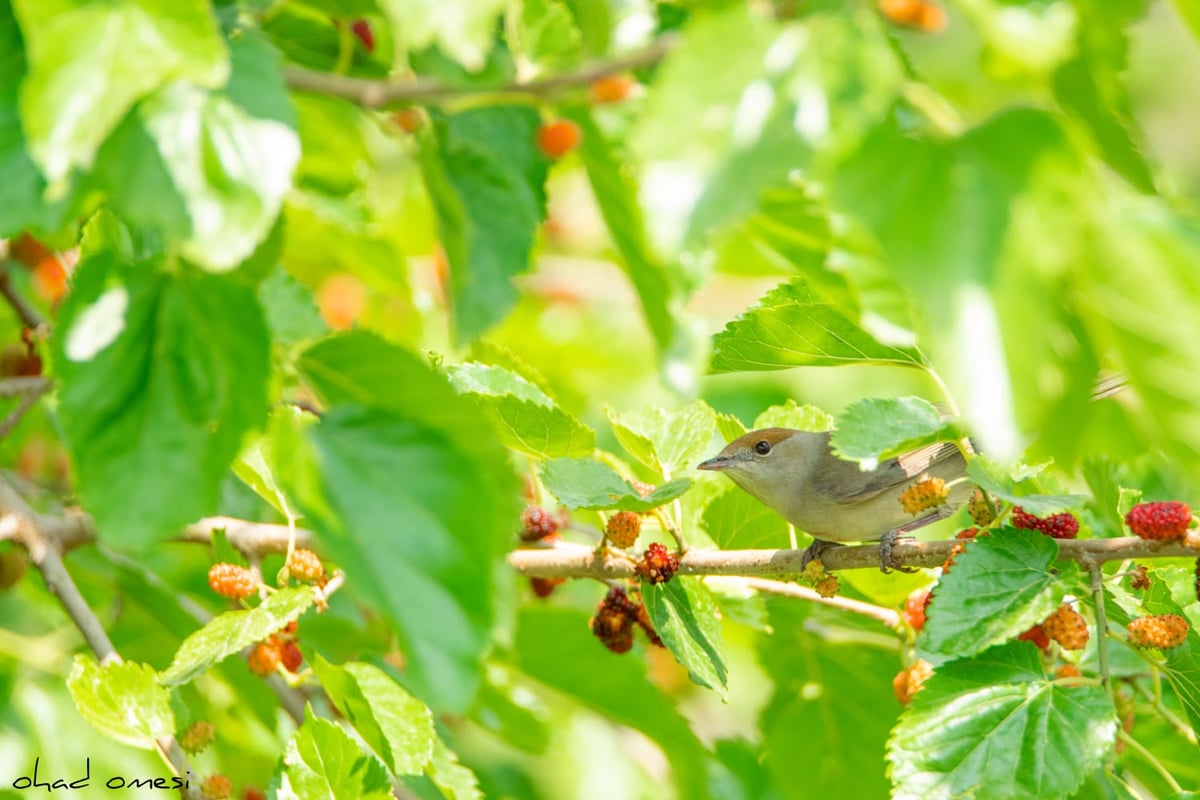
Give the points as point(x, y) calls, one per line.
point(565, 560)
point(887, 616)
point(30, 317)
point(375, 93)
point(20, 523)
point(30, 390)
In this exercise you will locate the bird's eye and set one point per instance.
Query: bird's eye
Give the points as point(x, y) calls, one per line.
point(763, 447)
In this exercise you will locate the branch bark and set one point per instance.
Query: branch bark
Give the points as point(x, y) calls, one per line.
point(565, 560)
point(375, 94)
point(30, 317)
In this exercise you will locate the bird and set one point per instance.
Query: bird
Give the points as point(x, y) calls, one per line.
point(797, 474)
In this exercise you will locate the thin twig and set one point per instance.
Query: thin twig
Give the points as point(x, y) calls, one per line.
point(374, 93)
point(887, 616)
point(19, 387)
point(28, 401)
point(1150, 759)
point(30, 317)
point(1097, 575)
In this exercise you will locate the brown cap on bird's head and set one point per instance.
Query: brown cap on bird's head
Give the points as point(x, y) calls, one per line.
point(747, 448)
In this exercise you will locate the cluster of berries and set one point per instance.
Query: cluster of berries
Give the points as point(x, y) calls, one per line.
point(1158, 631)
point(1056, 526)
point(1159, 521)
point(280, 648)
point(925, 494)
point(616, 617)
point(982, 511)
point(658, 564)
point(911, 680)
point(538, 524)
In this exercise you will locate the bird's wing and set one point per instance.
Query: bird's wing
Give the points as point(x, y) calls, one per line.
point(843, 482)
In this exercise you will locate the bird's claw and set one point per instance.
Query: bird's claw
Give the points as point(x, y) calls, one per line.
point(813, 551)
point(887, 562)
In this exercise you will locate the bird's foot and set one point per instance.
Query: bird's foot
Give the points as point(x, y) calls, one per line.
point(887, 562)
point(813, 551)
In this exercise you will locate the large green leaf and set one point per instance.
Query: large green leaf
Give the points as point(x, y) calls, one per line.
point(685, 617)
point(209, 168)
point(1091, 87)
point(877, 428)
point(157, 388)
point(414, 498)
point(487, 183)
point(90, 62)
point(525, 418)
point(665, 441)
point(792, 327)
point(233, 631)
point(735, 520)
point(322, 760)
point(555, 646)
point(588, 484)
point(994, 726)
point(397, 726)
point(1001, 586)
point(22, 187)
point(1017, 486)
point(123, 701)
point(832, 704)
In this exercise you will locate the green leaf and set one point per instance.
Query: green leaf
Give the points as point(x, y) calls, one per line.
point(487, 183)
point(22, 187)
point(730, 427)
point(123, 701)
point(463, 29)
point(994, 726)
point(685, 617)
point(233, 631)
point(525, 418)
point(1182, 671)
point(1002, 585)
point(737, 521)
point(790, 232)
point(157, 390)
point(665, 442)
point(454, 780)
point(396, 725)
point(457, 504)
point(432, 576)
point(792, 327)
point(791, 415)
point(1008, 484)
point(322, 760)
point(582, 483)
point(554, 646)
point(1090, 86)
point(831, 677)
point(90, 62)
point(546, 34)
point(223, 159)
point(616, 194)
point(877, 428)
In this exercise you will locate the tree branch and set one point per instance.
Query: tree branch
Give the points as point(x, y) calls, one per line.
point(566, 560)
point(374, 93)
point(30, 317)
point(887, 616)
point(29, 390)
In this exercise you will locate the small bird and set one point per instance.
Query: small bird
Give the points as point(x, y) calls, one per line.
point(796, 474)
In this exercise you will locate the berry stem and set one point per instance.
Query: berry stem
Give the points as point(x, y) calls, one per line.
point(670, 528)
point(345, 55)
point(1124, 736)
point(1097, 577)
point(1183, 728)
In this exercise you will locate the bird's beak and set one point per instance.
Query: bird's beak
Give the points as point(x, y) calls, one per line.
point(718, 463)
